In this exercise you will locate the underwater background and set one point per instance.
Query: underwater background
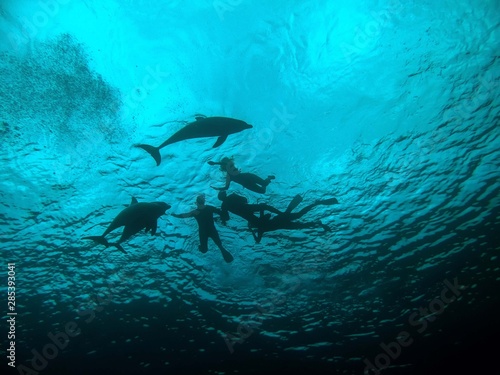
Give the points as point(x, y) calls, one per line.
point(392, 107)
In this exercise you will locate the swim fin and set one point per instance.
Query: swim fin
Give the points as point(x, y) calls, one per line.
point(328, 201)
point(227, 256)
point(294, 203)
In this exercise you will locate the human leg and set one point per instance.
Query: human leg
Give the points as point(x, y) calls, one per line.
point(253, 182)
point(302, 212)
point(261, 207)
point(225, 254)
point(308, 208)
point(266, 207)
point(203, 241)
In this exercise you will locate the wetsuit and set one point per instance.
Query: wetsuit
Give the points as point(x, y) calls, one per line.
point(250, 181)
point(205, 219)
point(285, 220)
point(238, 205)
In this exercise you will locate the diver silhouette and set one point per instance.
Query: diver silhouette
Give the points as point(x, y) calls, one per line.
point(247, 180)
point(285, 220)
point(206, 227)
point(239, 205)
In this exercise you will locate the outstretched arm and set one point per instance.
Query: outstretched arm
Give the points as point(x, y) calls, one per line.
point(228, 181)
point(214, 163)
point(185, 215)
point(217, 211)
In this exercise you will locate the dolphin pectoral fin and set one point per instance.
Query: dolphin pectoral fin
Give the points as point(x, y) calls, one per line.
point(99, 239)
point(220, 141)
point(131, 230)
point(152, 150)
point(154, 226)
point(134, 201)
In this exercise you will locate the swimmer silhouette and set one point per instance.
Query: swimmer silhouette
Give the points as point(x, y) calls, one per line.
point(285, 220)
point(239, 205)
point(247, 180)
point(219, 127)
point(206, 227)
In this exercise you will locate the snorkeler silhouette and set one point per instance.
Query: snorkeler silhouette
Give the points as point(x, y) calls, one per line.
point(204, 216)
point(285, 220)
point(239, 205)
point(247, 180)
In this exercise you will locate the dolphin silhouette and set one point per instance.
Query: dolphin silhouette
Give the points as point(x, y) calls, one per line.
point(219, 127)
point(134, 218)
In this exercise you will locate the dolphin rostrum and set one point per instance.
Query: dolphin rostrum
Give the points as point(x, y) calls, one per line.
point(134, 218)
point(219, 127)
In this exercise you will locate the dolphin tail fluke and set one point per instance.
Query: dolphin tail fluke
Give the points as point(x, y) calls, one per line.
point(119, 247)
point(152, 150)
point(102, 241)
point(99, 239)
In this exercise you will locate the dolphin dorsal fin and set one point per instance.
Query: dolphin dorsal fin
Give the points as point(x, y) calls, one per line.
point(134, 201)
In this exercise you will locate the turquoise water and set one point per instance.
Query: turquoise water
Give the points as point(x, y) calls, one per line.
point(392, 107)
